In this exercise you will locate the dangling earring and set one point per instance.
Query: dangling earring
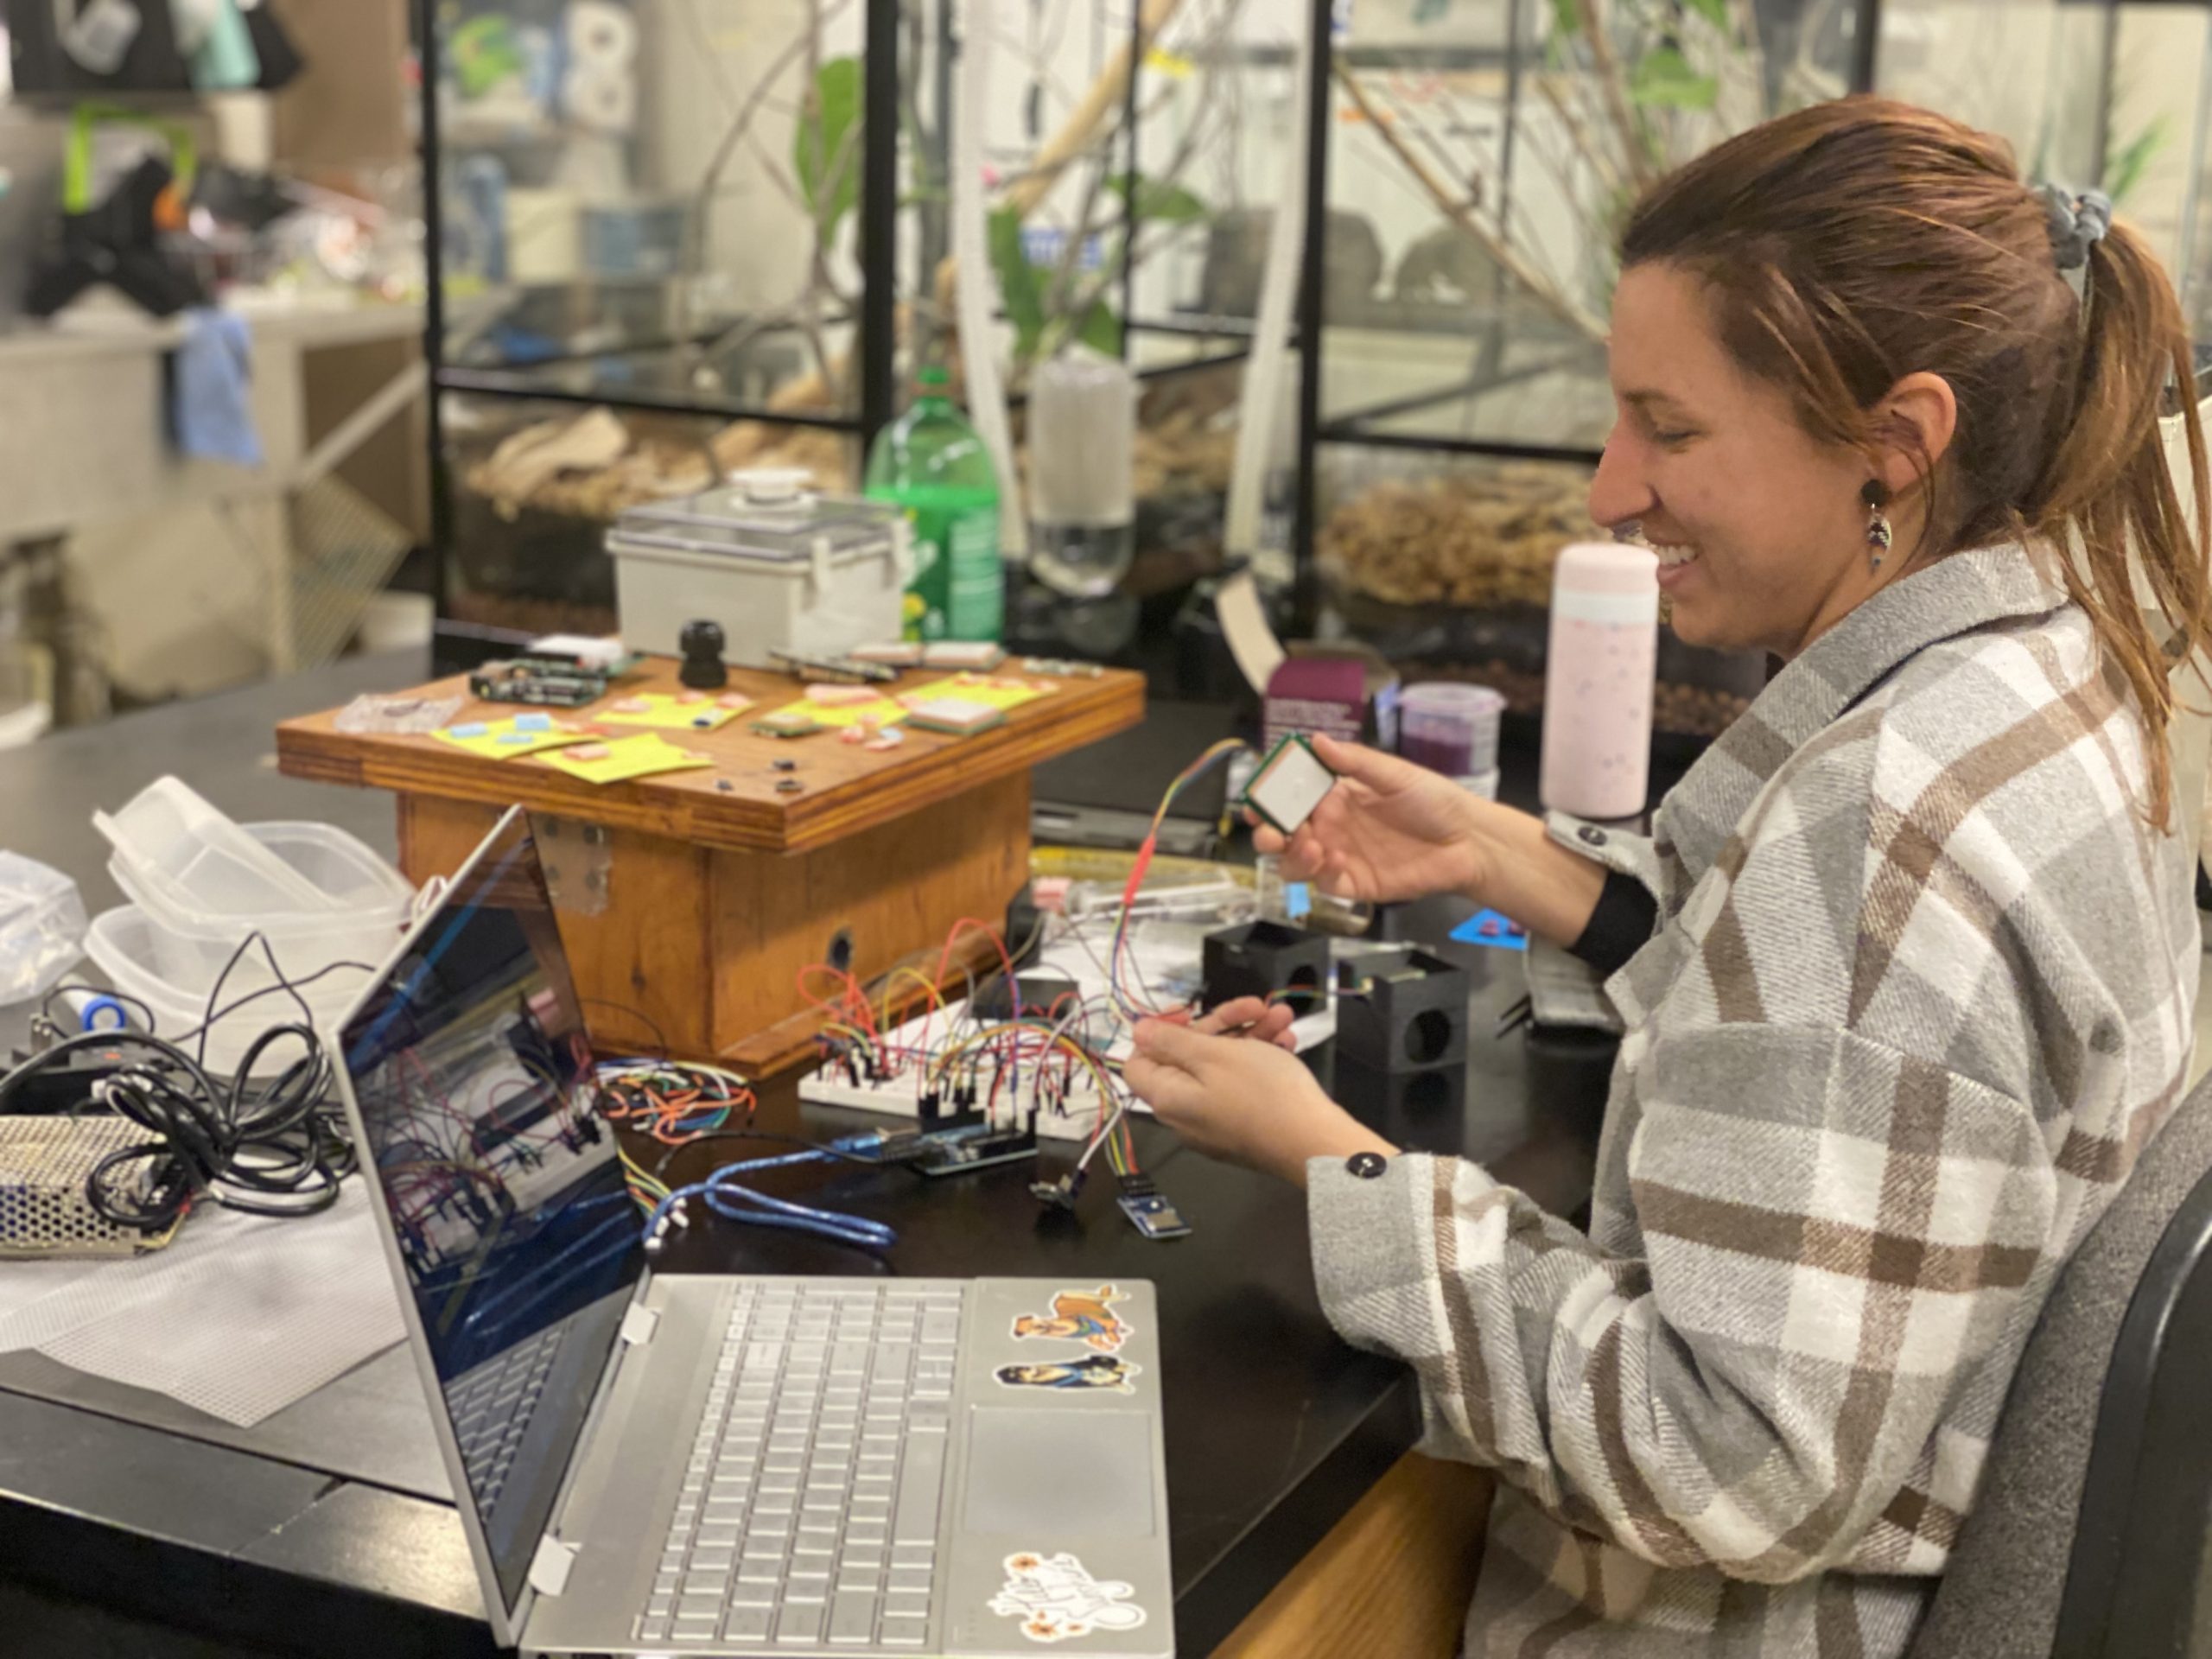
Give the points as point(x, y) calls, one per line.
point(1878, 523)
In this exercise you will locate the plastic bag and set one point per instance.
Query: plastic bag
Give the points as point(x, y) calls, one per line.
point(42, 927)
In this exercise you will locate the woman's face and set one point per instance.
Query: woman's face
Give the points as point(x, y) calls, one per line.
point(1760, 529)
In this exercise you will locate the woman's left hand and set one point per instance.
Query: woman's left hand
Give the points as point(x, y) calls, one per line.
point(1251, 1103)
point(1250, 1017)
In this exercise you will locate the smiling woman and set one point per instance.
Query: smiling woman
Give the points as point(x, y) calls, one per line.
point(1856, 326)
point(1907, 966)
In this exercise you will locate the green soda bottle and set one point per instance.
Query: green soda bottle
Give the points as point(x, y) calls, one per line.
point(930, 462)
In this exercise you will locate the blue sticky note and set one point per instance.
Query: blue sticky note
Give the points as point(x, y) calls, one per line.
point(470, 728)
point(1487, 927)
point(533, 723)
point(514, 737)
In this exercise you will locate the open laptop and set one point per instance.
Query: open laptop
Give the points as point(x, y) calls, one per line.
point(680, 1464)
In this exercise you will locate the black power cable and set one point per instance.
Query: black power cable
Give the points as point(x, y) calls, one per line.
point(272, 1148)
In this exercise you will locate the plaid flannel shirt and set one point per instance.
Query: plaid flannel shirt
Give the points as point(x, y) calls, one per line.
point(1923, 984)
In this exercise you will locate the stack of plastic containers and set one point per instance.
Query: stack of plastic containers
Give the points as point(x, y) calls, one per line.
point(202, 886)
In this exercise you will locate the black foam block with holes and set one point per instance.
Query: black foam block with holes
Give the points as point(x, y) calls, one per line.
point(1261, 958)
point(1411, 1014)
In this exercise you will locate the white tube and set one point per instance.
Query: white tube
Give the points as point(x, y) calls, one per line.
point(1264, 373)
point(978, 335)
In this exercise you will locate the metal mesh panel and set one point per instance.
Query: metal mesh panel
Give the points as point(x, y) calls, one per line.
point(44, 1163)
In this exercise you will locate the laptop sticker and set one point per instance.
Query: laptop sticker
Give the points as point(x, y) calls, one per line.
point(1084, 1316)
point(1056, 1598)
point(1093, 1371)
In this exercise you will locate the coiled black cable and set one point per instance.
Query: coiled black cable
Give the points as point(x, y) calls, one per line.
point(274, 1146)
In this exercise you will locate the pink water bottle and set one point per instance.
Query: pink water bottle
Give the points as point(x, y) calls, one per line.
point(1598, 680)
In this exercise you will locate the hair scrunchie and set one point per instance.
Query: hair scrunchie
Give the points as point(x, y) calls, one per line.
point(2078, 222)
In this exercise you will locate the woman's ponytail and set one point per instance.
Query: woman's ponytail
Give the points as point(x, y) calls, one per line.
point(2110, 493)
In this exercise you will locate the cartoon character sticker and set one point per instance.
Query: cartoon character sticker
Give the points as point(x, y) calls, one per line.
point(1084, 1316)
point(1055, 1599)
point(1091, 1371)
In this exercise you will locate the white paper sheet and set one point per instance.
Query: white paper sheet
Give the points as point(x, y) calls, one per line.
point(239, 1318)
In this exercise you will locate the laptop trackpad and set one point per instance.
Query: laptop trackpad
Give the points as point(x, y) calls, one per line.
point(1018, 1463)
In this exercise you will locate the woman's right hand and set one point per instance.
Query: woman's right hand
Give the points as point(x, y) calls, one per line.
point(1390, 830)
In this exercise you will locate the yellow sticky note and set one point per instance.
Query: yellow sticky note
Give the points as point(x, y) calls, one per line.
point(625, 758)
point(880, 712)
point(666, 713)
point(503, 739)
point(1000, 692)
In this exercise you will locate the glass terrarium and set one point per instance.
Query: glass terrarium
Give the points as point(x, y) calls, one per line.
point(1483, 158)
point(536, 484)
point(1443, 564)
point(648, 238)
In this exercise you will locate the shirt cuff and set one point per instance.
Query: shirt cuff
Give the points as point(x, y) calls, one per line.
point(1632, 854)
point(1373, 1243)
point(1621, 925)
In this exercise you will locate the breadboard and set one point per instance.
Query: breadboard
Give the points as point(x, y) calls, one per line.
point(900, 1095)
point(44, 1163)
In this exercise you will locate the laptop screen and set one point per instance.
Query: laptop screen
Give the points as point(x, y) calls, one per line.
point(501, 1185)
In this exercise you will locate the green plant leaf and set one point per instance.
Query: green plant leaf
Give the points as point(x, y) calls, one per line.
point(1101, 329)
point(1018, 290)
point(1714, 11)
point(825, 146)
point(2124, 170)
point(1160, 202)
point(1566, 17)
point(1664, 79)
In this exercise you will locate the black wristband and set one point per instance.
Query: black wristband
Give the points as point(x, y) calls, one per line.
point(1620, 926)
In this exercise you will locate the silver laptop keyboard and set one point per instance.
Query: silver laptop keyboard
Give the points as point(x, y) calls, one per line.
point(809, 1510)
point(492, 1408)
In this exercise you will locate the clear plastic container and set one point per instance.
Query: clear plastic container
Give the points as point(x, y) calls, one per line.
point(42, 927)
point(170, 836)
point(366, 904)
point(1450, 728)
point(1082, 473)
point(122, 945)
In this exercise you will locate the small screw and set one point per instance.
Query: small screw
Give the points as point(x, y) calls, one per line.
point(788, 786)
point(786, 765)
point(725, 785)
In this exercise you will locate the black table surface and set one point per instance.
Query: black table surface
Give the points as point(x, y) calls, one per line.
point(1274, 1428)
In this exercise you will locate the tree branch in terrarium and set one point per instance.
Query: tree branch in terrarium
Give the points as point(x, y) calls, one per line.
point(1539, 285)
point(1585, 16)
point(1578, 135)
point(692, 244)
point(1076, 134)
point(1156, 202)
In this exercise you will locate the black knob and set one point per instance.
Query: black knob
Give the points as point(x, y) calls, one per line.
point(703, 669)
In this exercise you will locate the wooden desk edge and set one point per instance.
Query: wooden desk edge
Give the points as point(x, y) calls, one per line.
point(306, 748)
point(1394, 1576)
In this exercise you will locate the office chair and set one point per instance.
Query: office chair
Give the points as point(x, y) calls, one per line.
point(2088, 1540)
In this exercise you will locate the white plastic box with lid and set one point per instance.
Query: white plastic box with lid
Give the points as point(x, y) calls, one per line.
point(776, 567)
point(365, 904)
